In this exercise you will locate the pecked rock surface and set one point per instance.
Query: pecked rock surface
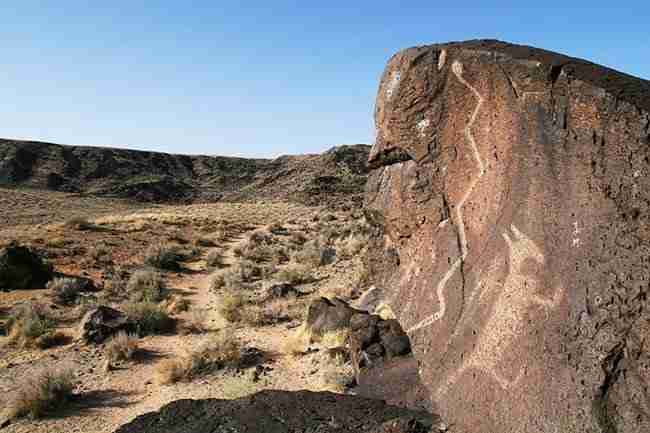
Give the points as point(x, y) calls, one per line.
point(283, 412)
point(511, 203)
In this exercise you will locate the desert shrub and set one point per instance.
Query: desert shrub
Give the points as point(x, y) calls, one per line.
point(351, 246)
point(179, 238)
point(217, 281)
point(146, 285)
point(214, 258)
point(312, 254)
point(101, 253)
point(115, 283)
point(270, 313)
point(298, 238)
point(149, 317)
point(27, 324)
point(121, 347)
point(231, 306)
point(294, 274)
point(219, 352)
point(163, 256)
point(337, 376)
point(42, 394)
point(65, 290)
point(177, 305)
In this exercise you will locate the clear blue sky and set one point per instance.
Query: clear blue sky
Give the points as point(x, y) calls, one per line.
point(256, 78)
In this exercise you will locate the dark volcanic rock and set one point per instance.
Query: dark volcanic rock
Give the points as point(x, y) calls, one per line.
point(282, 412)
point(511, 206)
point(102, 322)
point(22, 269)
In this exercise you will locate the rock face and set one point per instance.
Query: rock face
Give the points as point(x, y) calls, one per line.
point(282, 412)
point(21, 269)
point(511, 204)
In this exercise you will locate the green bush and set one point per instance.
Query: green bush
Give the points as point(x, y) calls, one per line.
point(149, 318)
point(66, 290)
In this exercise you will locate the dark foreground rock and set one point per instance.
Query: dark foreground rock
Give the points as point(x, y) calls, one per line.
point(22, 269)
point(511, 203)
point(283, 412)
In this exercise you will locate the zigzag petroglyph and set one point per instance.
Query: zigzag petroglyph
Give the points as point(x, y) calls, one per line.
point(519, 293)
point(457, 69)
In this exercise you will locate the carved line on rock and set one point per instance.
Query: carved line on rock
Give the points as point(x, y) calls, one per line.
point(457, 69)
point(507, 321)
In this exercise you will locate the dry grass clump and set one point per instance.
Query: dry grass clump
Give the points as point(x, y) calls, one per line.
point(65, 291)
point(121, 347)
point(219, 352)
point(163, 256)
point(42, 394)
point(272, 312)
point(237, 276)
point(149, 317)
point(146, 285)
point(27, 324)
point(231, 306)
point(115, 283)
point(295, 274)
point(298, 238)
point(351, 246)
point(313, 253)
point(337, 376)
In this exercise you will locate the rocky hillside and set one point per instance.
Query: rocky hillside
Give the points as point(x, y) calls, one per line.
point(151, 176)
point(511, 197)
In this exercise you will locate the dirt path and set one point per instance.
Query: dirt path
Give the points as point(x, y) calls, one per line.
point(110, 399)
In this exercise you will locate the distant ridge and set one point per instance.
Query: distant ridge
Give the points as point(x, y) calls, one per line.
point(339, 173)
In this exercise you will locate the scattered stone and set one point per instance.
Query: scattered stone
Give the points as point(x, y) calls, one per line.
point(325, 315)
point(102, 322)
point(22, 269)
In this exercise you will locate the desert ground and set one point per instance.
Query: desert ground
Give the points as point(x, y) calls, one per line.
point(197, 279)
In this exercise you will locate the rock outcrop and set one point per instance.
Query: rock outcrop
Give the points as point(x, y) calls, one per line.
point(283, 412)
point(338, 175)
point(511, 204)
point(21, 269)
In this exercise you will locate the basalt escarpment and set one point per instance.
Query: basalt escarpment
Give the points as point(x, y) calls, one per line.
point(336, 176)
point(511, 203)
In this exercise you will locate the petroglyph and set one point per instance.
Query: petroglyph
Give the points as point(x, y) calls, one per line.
point(442, 59)
point(519, 293)
point(457, 69)
point(393, 84)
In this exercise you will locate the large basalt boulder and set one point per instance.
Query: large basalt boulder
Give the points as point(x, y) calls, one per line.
point(510, 200)
point(22, 269)
point(283, 412)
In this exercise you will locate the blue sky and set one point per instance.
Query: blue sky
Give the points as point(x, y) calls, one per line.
point(255, 78)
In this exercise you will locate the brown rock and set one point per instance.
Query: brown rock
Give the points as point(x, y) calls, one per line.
point(325, 315)
point(102, 322)
point(511, 204)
